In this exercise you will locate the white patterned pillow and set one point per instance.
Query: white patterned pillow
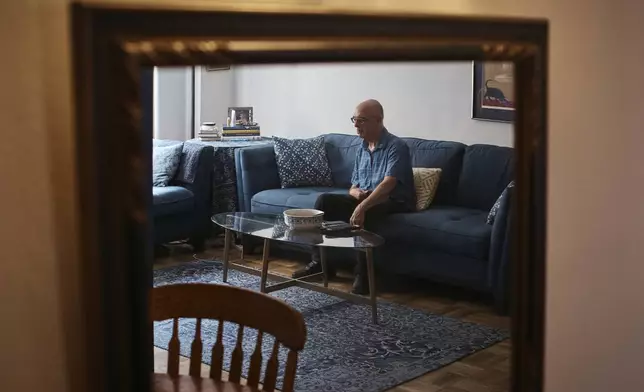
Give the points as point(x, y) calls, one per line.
point(165, 163)
point(426, 183)
point(302, 162)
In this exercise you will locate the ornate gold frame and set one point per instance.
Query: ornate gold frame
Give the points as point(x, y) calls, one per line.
point(114, 150)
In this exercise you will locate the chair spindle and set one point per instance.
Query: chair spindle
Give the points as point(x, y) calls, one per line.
point(196, 351)
point(289, 371)
point(217, 360)
point(270, 376)
point(173, 350)
point(237, 358)
point(255, 367)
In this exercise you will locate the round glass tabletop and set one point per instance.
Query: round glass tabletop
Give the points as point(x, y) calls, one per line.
point(272, 227)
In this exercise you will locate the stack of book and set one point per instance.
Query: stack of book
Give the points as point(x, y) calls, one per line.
point(208, 132)
point(241, 132)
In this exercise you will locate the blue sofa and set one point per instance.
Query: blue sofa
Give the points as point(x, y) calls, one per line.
point(182, 209)
point(450, 242)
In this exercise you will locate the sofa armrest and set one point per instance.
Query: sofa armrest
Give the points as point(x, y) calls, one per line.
point(199, 182)
point(499, 260)
point(256, 171)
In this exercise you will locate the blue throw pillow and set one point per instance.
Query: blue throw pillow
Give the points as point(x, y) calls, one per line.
point(302, 162)
point(491, 217)
point(165, 163)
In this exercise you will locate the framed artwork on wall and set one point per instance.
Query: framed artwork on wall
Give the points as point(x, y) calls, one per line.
point(210, 68)
point(493, 91)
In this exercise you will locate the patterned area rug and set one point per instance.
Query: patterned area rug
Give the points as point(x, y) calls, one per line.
point(344, 350)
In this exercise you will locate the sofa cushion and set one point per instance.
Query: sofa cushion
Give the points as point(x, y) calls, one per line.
point(447, 156)
point(454, 230)
point(302, 162)
point(165, 163)
point(341, 150)
point(171, 200)
point(275, 201)
point(486, 172)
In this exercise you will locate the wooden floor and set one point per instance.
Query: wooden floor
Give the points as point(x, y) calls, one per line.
point(484, 371)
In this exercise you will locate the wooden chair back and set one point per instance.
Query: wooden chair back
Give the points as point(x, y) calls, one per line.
point(243, 307)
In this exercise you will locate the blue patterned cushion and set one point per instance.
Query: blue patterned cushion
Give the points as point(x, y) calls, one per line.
point(165, 163)
point(302, 162)
point(497, 204)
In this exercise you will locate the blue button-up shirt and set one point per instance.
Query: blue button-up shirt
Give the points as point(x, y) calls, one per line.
point(389, 158)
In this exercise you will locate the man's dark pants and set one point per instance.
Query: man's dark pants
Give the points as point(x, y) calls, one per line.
point(340, 208)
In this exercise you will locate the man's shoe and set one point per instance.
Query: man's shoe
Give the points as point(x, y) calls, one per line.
point(360, 281)
point(360, 284)
point(314, 267)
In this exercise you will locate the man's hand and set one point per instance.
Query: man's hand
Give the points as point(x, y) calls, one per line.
point(357, 218)
point(358, 193)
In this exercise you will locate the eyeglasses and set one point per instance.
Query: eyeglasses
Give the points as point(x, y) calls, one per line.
point(359, 120)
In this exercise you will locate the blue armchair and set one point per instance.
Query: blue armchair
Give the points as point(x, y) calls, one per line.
point(182, 209)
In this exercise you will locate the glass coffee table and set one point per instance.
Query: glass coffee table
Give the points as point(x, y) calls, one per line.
point(271, 227)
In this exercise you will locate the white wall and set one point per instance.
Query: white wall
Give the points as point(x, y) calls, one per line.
point(595, 315)
point(172, 112)
point(426, 100)
point(216, 90)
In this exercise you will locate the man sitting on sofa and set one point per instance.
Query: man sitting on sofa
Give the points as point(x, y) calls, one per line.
point(382, 183)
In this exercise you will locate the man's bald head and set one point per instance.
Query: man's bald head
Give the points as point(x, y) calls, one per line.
point(367, 119)
point(371, 107)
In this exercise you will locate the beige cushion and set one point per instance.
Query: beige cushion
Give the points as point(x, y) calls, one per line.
point(426, 182)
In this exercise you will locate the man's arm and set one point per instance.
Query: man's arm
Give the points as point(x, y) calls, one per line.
point(380, 194)
point(393, 173)
point(355, 190)
point(355, 183)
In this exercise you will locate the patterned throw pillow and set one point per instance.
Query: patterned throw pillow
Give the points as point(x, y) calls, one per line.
point(165, 163)
point(302, 162)
point(491, 217)
point(426, 183)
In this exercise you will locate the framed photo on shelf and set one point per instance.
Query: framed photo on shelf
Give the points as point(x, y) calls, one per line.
point(493, 91)
point(241, 115)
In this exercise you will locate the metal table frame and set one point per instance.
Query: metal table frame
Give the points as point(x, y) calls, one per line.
point(285, 282)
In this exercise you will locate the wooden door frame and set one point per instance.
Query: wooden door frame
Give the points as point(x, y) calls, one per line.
point(114, 150)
